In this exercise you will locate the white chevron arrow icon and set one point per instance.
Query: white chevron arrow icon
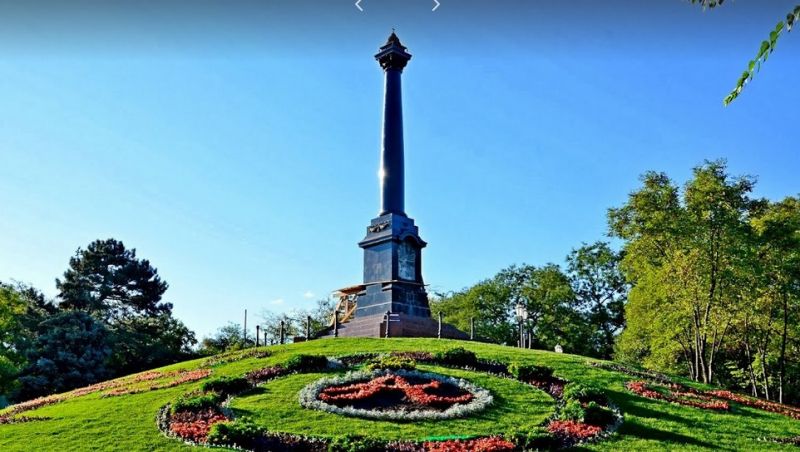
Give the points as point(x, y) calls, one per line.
point(436, 6)
point(358, 5)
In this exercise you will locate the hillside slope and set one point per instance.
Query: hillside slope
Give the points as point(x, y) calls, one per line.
point(118, 416)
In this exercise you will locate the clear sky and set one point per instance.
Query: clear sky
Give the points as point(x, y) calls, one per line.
point(235, 144)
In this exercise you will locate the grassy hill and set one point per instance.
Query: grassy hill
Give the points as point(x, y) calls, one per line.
point(122, 415)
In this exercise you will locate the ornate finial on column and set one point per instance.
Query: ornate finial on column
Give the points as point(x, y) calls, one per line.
point(393, 54)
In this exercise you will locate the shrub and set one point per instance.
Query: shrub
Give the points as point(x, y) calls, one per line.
point(226, 385)
point(530, 372)
point(572, 411)
point(527, 439)
point(306, 363)
point(196, 403)
point(584, 394)
point(391, 363)
point(457, 357)
point(243, 433)
point(598, 415)
point(354, 443)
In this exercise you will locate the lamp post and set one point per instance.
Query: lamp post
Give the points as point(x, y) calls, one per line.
point(522, 316)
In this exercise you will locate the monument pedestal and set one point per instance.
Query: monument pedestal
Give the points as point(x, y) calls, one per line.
point(400, 325)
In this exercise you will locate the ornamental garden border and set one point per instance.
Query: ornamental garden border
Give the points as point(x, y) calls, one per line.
point(582, 414)
point(657, 386)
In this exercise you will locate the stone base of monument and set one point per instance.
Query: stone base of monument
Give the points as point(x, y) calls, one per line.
point(400, 325)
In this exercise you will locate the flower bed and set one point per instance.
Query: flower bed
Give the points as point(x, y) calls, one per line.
point(488, 444)
point(573, 430)
point(225, 358)
point(385, 386)
point(194, 426)
point(265, 374)
point(676, 394)
point(766, 405)
point(7, 419)
point(181, 377)
point(340, 395)
point(415, 393)
point(112, 388)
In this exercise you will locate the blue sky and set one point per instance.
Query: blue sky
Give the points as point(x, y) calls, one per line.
point(236, 144)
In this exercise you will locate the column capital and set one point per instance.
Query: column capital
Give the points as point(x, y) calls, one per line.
point(393, 54)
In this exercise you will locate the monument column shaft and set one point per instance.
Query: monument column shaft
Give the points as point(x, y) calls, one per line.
point(392, 171)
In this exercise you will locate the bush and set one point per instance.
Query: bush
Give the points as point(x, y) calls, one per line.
point(196, 402)
point(306, 363)
point(391, 363)
point(243, 433)
point(226, 385)
point(584, 394)
point(598, 415)
point(530, 372)
point(353, 443)
point(572, 411)
point(457, 357)
point(527, 439)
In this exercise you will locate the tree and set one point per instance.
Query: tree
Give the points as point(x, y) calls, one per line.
point(544, 291)
point(71, 351)
point(684, 260)
point(601, 292)
point(778, 249)
point(293, 325)
point(107, 281)
point(228, 337)
point(145, 342)
point(123, 292)
point(764, 51)
point(551, 305)
point(487, 303)
point(22, 309)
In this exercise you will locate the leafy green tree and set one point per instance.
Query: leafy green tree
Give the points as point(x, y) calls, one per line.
point(684, 259)
point(777, 231)
point(71, 351)
point(145, 342)
point(545, 292)
point(553, 318)
point(601, 292)
point(228, 337)
point(488, 303)
point(22, 309)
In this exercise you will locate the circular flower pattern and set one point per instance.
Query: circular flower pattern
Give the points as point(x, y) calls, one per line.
point(422, 395)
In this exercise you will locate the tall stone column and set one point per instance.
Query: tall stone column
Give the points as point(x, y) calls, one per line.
point(392, 57)
point(392, 248)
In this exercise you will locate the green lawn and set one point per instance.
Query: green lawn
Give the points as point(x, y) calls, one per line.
point(127, 423)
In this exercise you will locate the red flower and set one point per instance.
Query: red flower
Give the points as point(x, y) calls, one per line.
point(766, 405)
point(573, 430)
point(677, 394)
point(193, 426)
point(416, 393)
point(488, 444)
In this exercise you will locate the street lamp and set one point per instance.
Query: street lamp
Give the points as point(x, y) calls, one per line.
point(522, 316)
